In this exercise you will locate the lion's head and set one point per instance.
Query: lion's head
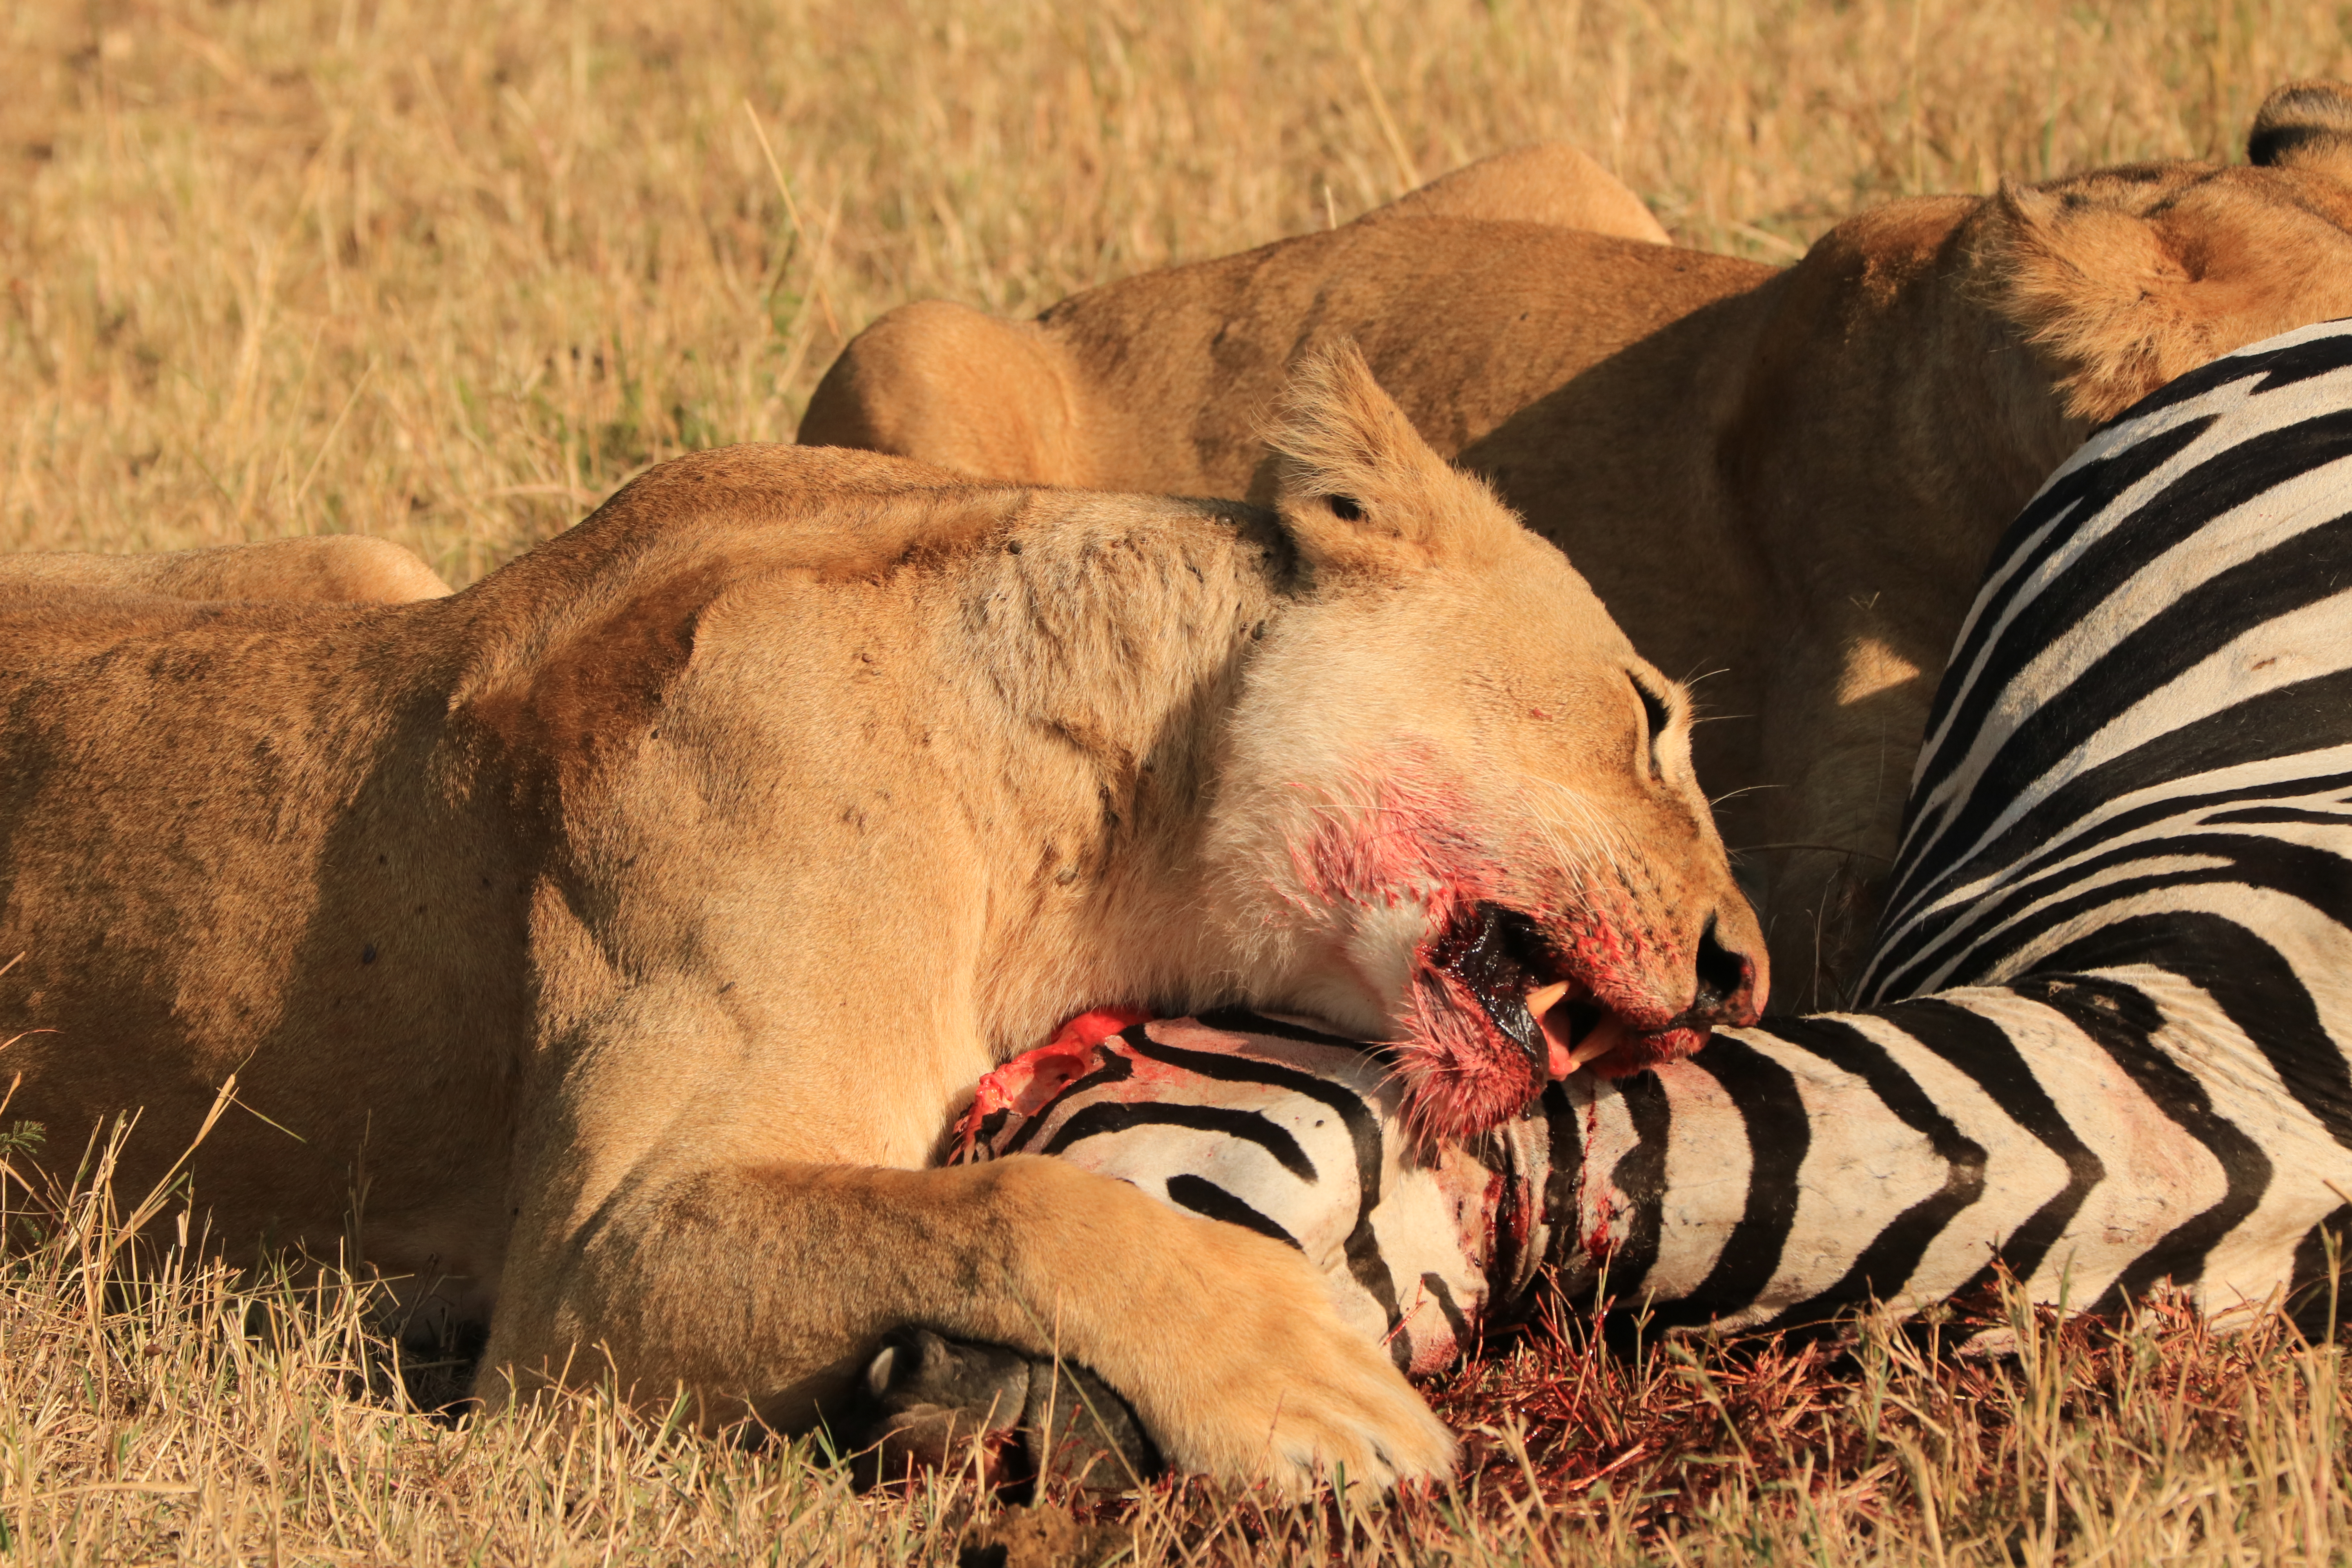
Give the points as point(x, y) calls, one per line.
point(2124, 277)
point(1477, 800)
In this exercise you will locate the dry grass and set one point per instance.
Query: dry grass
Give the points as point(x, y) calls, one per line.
point(156, 1407)
point(447, 273)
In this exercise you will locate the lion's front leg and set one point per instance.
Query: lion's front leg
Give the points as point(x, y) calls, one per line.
point(1837, 762)
point(762, 1288)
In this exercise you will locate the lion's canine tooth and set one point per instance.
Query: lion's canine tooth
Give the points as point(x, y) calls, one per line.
point(1601, 1038)
point(1557, 1063)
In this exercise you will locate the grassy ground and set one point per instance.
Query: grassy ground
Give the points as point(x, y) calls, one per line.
point(447, 273)
point(158, 1409)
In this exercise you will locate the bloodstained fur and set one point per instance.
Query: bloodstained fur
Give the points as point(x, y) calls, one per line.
point(1407, 843)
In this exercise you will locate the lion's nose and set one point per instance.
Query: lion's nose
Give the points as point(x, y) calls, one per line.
point(1726, 983)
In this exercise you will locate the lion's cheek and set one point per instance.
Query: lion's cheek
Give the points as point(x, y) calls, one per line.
point(1464, 1078)
point(1382, 944)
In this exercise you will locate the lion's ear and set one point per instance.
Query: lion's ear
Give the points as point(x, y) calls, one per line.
point(2096, 291)
point(1357, 489)
point(2305, 125)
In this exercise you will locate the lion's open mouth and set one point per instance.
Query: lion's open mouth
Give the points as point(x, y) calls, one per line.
point(1526, 991)
point(1497, 1009)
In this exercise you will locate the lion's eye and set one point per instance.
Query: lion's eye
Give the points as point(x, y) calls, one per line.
point(1347, 508)
point(1656, 712)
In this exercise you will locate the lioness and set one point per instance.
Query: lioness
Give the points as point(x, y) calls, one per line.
point(627, 926)
point(1543, 182)
point(345, 568)
point(1785, 481)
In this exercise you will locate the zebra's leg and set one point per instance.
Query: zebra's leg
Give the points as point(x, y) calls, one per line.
point(2095, 1136)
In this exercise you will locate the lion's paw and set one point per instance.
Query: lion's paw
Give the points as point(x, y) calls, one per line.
point(1287, 1393)
point(1226, 1342)
point(1299, 1420)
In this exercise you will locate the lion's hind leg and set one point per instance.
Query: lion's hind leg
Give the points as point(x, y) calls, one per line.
point(948, 384)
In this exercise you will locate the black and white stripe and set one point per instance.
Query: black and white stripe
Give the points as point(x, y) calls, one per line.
point(2122, 911)
point(1301, 1136)
point(2105, 1047)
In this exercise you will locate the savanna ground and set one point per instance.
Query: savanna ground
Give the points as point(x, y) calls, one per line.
point(447, 273)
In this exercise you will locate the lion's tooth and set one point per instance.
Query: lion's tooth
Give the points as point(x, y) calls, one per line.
point(1606, 1035)
point(1541, 1001)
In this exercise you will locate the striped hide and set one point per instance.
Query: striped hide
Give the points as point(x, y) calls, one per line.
point(1298, 1135)
point(2105, 1048)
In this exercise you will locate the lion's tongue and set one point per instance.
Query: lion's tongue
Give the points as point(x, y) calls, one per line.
point(1565, 1053)
point(1559, 1062)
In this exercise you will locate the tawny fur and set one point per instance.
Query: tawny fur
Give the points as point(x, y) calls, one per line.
point(1785, 482)
point(624, 929)
point(338, 568)
point(1543, 182)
